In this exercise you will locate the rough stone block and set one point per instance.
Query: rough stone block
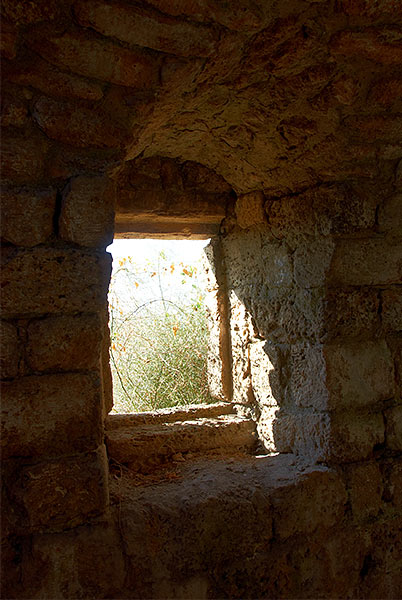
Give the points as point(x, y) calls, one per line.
point(350, 313)
point(393, 428)
point(387, 91)
point(312, 262)
point(366, 262)
point(53, 281)
point(317, 501)
point(22, 159)
point(14, 109)
point(353, 437)
point(359, 374)
point(360, 8)
point(391, 314)
point(393, 482)
point(381, 45)
point(276, 265)
point(37, 10)
point(8, 41)
point(27, 216)
point(64, 343)
point(98, 59)
point(316, 212)
point(364, 482)
point(10, 351)
point(64, 493)
point(86, 561)
point(87, 213)
point(142, 28)
point(78, 126)
point(250, 210)
point(41, 75)
point(51, 414)
point(390, 218)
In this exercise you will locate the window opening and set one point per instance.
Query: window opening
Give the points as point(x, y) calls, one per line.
point(158, 324)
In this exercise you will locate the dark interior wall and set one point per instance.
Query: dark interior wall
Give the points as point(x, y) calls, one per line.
point(294, 106)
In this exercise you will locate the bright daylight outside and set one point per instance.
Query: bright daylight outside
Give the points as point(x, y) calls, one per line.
point(158, 324)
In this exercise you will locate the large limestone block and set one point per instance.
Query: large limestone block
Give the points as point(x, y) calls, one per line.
point(48, 280)
point(365, 487)
point(27, 216)
point(87, 561)
point(98, 59)
point(87, 213)
point(22, 159)
point(390, 218)
point(148, 29)
point(353, 436)
point(65, 343)
point(250, 210)
point(341, 376)
point(63, 493)
point(391, 314)
point(78, 126)
point(10, 350)
point(317, 501)
point(51, 414)
point(366, 262)
point(393, 420)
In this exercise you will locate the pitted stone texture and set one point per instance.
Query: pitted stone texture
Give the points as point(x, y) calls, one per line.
point(393, 420)
point(341, 377)
point(51, 415)
point(375, 44)
point(145, 28)
point(85, 561)
point(90, 57)
point(27, 216)
point(64, 493)
point(390, 218)
point(318, 500)
point(10, 350)
point(22, 159)
point(366, 262)
point(391, 313)
point(353, 437)
point(367, 477)
point(54, 281)
point(41, 75)
point(250, 210)
point(77, 125)
point(87, 213)
point(64, 343)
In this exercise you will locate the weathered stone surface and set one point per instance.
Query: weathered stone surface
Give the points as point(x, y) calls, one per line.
point(318, 501)
point(64, 493)
point(85, 561)
point(367, 477)
point(239, 17)
point(366, 262)
point(360, 8)
point(376, 44)
point(98, 59)
point(51, 415)
point(41, 75)
point(87, 212)
point(321, 211)
point(250, 210)
point(27, 216)
point(353, 313)
point(353, 437)
point(64, 343)
point(22, 159)
point(10, 350)
point(312, 262)
point(78, 126)
point(393, 431)
point(387, 91)
point(8, 41)
point(391, 313)
point(47, 280)
point(37, 10)
point(14, 109)
point(390, 218)
point(148, 29)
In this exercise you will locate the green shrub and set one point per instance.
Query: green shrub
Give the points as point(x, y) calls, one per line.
point(158, 344)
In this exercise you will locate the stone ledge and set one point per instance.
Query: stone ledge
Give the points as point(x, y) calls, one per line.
point(145, 441)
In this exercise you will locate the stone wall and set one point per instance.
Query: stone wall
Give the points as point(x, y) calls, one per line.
point(164, 112)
